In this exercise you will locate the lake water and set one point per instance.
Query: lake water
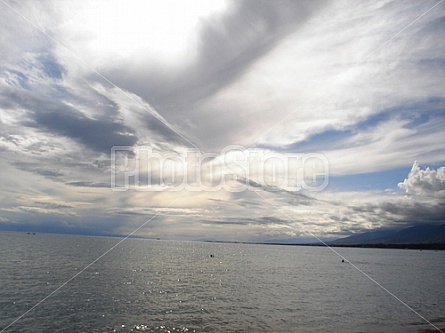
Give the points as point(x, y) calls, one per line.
point(161, 286)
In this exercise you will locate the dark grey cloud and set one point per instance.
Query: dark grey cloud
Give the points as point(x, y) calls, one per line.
point(296, 197)
point(62, 119)
point(400, 212)
point(416, 211)
point(38, 168)
point(95, 134)
point(46, 110)
point(50, 205)
point(231, 44)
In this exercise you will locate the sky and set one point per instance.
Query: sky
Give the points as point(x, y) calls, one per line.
point(226, 120)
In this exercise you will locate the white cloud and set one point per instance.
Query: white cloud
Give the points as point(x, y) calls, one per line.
point(123, 33)
point(313, 79)
point(391, 144)
point(428, 182)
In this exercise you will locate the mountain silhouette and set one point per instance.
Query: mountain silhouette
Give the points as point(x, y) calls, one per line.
point(419, 234)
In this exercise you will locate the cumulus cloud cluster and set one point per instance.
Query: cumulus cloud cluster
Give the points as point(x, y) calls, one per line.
point(428, 182)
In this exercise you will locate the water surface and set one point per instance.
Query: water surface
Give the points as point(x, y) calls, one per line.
point(163, 286)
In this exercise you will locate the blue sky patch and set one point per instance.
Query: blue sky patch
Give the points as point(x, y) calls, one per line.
point(50, 67)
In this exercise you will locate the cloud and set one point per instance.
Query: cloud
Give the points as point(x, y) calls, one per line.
point(428, 182)
point(39, 169)
point(222, 56)
point(296, 197)
point(65, 120)
point(88, 184)
point(423, 202)
point(52, 205)
point(386, 145)
point(314, 80)
point(283, 77)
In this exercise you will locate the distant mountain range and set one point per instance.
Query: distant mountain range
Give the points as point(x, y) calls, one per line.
point(419, 234)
